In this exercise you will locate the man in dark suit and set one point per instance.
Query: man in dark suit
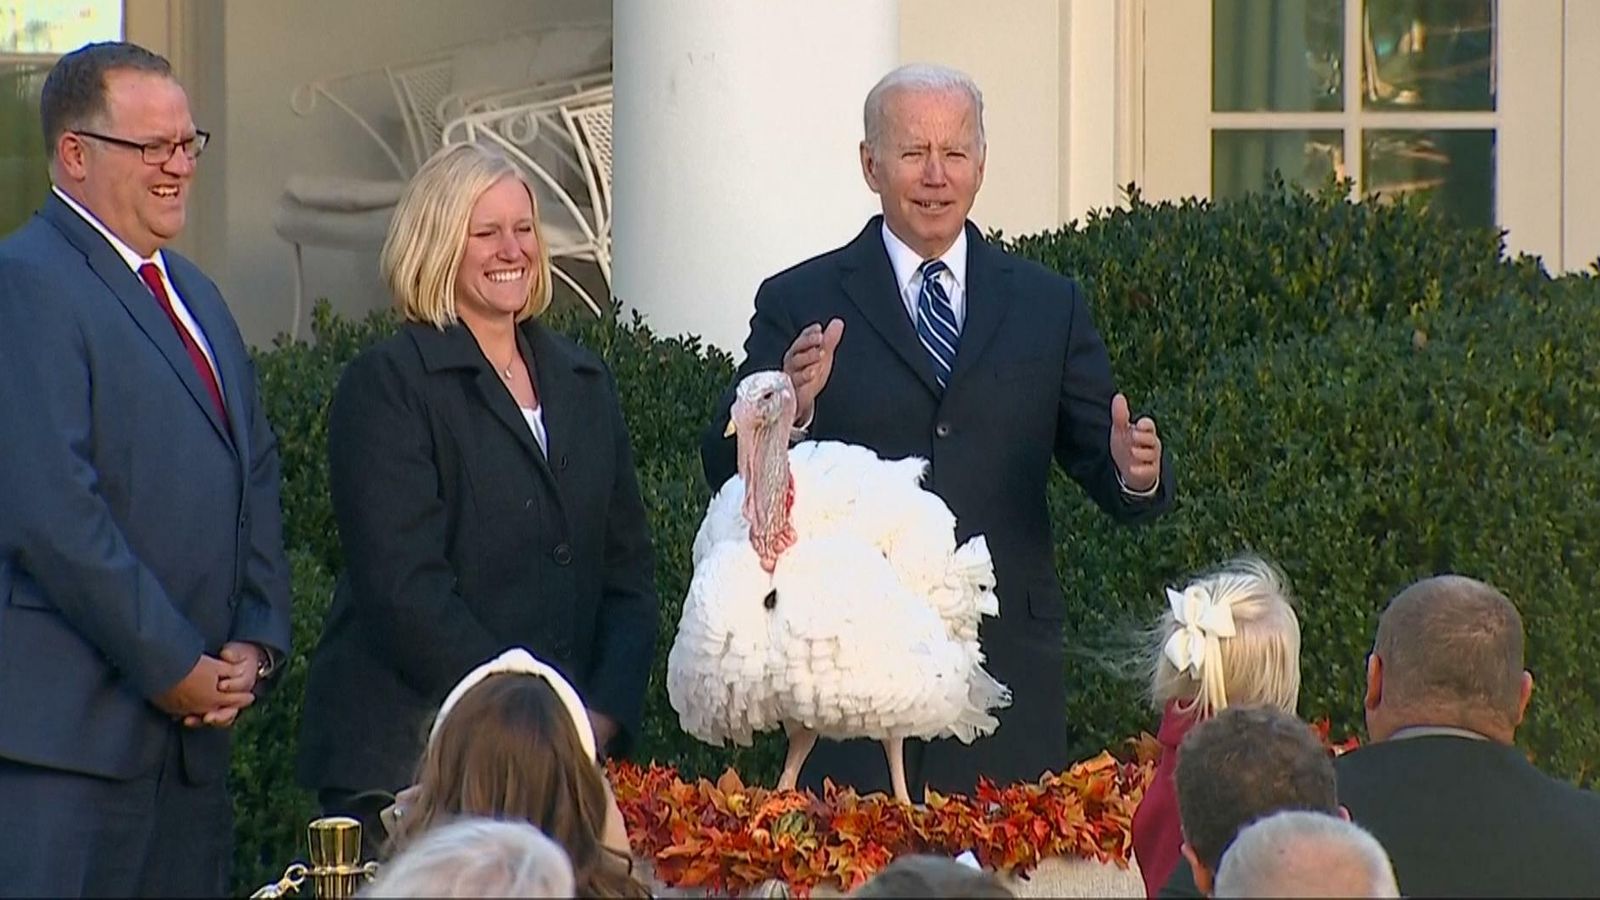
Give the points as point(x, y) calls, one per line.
point(1241, 765)
point(985, 365)
point(1442, 785)
point(143, 585)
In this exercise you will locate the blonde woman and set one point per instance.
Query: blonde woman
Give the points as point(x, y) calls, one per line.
point(485, 495)
point(1230, 638)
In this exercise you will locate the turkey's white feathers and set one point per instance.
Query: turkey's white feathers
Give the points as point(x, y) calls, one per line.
point(722, 670)
point(873, 631)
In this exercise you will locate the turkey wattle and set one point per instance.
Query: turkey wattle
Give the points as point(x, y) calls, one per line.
point(829, 597)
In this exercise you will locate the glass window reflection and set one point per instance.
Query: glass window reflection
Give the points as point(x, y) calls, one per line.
point(1244, 160)
point(1452, 169)
point(1429, 55)
point(1277, 55)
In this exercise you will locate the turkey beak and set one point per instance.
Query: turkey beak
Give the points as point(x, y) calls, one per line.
point(731, 429)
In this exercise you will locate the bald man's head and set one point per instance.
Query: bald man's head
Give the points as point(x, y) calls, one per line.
point(1449, 651)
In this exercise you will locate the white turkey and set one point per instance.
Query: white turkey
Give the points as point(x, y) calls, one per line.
point(830, 598)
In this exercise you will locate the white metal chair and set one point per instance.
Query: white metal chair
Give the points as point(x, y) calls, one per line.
point(554, 141)
point(590, 126)
point(353, 213)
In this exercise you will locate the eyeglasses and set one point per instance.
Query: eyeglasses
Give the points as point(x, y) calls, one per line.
point(158, 153)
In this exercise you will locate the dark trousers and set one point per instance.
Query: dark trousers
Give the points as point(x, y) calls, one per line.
point(65, 834)
point(364, 807)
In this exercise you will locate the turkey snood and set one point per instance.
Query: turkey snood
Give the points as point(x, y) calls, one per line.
point(762, 418)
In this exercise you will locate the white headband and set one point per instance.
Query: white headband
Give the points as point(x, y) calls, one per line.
point(518, 661)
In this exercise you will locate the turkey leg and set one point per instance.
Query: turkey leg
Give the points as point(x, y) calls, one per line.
point(895, 749)
point(801, 740)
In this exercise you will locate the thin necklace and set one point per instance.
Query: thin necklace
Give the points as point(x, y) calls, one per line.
point(505, 373)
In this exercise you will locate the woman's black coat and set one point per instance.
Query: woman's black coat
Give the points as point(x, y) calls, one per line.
point(461, 539)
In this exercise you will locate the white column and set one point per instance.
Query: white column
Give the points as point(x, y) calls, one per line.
point(1095, 91)
point(1580, 138)
point(1016, 57)
point(736, 133)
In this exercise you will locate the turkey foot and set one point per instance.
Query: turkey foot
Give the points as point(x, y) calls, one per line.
point(801, 740)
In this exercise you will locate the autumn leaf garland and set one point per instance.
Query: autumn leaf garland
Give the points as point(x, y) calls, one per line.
point(726, 837)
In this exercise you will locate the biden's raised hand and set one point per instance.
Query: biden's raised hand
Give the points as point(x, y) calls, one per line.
point(1135, 447)
point(808, 363)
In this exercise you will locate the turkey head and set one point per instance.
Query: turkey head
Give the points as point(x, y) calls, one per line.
point(761, 418)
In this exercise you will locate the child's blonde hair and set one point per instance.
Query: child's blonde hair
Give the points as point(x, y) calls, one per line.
point(1257, 664)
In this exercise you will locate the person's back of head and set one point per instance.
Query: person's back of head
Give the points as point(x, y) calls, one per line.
point(1229, 638)
point(510, 748)
point(1448, 652)
point(922, 875)
point(477, 858)
point(1242, 764)
point(1305, 854)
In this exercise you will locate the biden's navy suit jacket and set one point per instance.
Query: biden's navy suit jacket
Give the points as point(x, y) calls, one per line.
point(1031, 383)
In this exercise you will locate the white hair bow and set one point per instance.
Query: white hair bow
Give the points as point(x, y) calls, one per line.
point(1202, 624)
point(520, 662)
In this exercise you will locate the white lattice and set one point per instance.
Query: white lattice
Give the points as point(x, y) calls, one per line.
point(592, 125)
point(563, 145)
point(420, 90)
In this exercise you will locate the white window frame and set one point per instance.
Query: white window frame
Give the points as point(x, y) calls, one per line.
point(1173, 156)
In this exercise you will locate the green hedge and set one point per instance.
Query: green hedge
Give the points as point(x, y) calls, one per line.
point(1360, 392)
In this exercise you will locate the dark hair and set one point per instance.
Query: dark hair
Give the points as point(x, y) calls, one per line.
point(1245, 763)
point(1452, 644)
point(922, 875)
point(74, 93)
point(509, 750)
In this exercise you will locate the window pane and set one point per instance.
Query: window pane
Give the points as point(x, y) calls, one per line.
point(1429, 54)
point(1277, 55)
point(23, 176)
point(1243, 161)
point(57, 26)
point(1454, 170)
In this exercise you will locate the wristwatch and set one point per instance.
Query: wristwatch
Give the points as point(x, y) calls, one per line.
point(268, 664)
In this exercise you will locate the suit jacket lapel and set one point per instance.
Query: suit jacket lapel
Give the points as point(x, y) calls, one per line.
point(206, 307)
point(454, 348)
point(870, 284)
point(988, 300)
point(136, 298)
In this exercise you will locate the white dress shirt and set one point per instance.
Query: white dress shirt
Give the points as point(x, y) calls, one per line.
point(134, 261)
point(908, 274)
point(535, 420)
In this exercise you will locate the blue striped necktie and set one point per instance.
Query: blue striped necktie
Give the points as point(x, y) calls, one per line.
point(936, 321)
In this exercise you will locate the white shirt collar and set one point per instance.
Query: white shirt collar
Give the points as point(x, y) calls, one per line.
point(129, 256)
point(1416, 731)
point(906, 262)
point(134, 260)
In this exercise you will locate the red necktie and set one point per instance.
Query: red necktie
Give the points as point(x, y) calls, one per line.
point(152, 279)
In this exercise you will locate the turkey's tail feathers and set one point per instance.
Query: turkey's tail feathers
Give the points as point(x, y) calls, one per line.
point(973, 567)
point(984, 694)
